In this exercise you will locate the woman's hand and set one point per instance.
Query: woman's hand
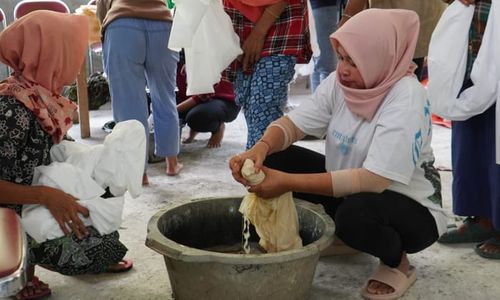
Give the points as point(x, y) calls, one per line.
point(257, 154)
point(65, 210)
point(252, 47)
point(275, 184)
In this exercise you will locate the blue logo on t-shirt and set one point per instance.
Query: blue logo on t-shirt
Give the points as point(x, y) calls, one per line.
point(345, 141)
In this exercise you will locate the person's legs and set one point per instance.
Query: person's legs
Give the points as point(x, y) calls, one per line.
point(325, 21)
point(386, 225)
point(267, 92)
point(124, 52)
point(207, 116)
point(161, 66)
point(210, 116)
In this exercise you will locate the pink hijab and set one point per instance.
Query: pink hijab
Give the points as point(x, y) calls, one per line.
point(252, 9)
point(381, 42)
point(46, 50)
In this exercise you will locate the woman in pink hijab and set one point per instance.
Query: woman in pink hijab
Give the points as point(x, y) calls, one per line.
point(46, 49)
point(376, 178)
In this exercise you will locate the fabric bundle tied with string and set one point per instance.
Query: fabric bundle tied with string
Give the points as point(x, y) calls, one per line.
point(275, 219)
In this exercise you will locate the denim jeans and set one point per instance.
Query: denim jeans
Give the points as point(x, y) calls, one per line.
point(135, 55)
point(325, 21)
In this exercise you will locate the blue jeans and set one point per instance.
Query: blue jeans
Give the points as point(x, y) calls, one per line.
point(325, 21)
point(135, 54)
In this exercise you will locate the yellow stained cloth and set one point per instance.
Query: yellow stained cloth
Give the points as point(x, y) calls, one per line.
point(94, 25)
point(275, 219)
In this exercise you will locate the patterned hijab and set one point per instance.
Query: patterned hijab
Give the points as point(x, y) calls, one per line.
point(46, 50)
point(381, 42)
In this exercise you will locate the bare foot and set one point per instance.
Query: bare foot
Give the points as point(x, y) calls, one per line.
point(145, 179)
point(379, 288)
point(190, 138)
point(216, 138)
point(173, 166)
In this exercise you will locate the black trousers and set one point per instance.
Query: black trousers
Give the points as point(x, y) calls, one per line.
point(384, 225)
point(208, 116)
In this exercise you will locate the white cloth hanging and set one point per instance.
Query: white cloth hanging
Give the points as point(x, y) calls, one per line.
point(447, 63)
point(210, 44)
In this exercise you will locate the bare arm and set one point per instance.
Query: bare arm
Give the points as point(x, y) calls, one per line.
point(252, 47)
point(186, 105)
point(337, 184)
point(62, 206)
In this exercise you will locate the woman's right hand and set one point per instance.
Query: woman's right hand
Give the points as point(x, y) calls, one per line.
point(257, 154)
point(65, 209)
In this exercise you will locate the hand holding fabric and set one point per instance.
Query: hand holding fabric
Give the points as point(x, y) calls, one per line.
point(275, 184)
point(257, 154)
point(65, 210)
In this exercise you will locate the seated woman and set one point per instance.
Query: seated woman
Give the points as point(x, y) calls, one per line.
point(46, 49)
point(376, 179)
point(207, 112)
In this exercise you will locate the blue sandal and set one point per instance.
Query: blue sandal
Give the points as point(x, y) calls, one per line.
point(495, 241)
point(474, 233)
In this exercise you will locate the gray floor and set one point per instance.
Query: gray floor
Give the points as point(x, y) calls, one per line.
point(443, 272)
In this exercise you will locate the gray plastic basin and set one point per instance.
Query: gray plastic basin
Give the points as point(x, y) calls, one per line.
point(180, 233)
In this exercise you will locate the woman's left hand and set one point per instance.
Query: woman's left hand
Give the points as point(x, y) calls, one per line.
point(252, 47)
point(275, 184)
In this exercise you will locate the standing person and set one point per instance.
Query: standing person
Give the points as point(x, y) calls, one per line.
point(207, 112)
point(274, 37)
point(34, 116)
point(475, 181)
point(429, 12)
point(325, 14)
point(376, 179)
point(135, 38)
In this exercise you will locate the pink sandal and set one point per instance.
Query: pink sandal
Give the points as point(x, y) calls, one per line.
point(394, 278)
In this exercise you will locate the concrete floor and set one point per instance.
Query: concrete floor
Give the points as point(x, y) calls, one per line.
point(443, 272)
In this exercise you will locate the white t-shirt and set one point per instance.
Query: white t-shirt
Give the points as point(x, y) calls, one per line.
point(396, 144)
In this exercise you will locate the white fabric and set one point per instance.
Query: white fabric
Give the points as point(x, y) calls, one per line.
point(105, 214)
point(117, 164)
point(122, 165)
point(447, 72)
point(275, 219)
point(210, 44)
point(447, 58)
point(396, 144)
point(80, 155)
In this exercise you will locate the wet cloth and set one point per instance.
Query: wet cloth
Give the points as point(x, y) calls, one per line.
point(117, 166)
point(24, 146)
point(275, 220)
point(206, 33)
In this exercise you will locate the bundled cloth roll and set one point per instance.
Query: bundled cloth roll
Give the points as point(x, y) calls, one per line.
point(275, 219)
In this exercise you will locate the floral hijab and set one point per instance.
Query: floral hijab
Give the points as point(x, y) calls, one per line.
point(46, 50)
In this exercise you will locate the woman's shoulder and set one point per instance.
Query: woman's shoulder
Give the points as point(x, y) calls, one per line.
point(407, 87)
